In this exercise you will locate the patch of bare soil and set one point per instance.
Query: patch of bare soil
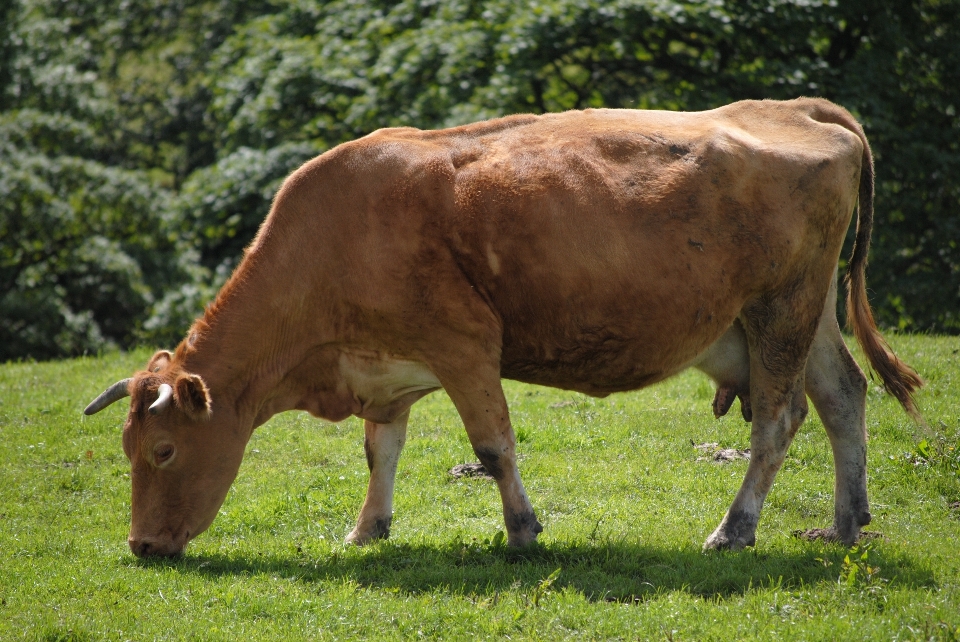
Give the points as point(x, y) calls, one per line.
point(955, 506)
point(470, 470)
point(712, 452)
point(812, 534)
point(829, 535)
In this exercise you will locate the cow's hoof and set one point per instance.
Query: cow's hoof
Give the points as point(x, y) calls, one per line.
point(366, 534)
point(722, 540)
point(846, 527)
point(722, 543)
point(515, 541)
point(736, 531)
point(522, 529)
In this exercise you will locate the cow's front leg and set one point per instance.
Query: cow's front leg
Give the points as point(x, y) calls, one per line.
point(483, 408)
point(382, 444)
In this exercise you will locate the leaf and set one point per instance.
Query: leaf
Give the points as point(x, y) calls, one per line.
point(852, 575)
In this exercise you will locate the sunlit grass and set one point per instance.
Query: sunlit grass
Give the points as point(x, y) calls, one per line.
point(615, 481)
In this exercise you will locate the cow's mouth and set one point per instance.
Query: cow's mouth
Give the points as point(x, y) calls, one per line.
point(153, 547)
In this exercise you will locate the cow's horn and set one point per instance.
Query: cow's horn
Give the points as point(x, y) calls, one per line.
point(114, 393)
point(164, 397)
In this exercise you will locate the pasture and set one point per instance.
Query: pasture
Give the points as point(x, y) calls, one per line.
point(616, 482)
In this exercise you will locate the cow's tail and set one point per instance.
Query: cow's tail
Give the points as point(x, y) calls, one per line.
point(899, 379)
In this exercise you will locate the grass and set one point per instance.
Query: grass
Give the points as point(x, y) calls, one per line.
point(615, 481)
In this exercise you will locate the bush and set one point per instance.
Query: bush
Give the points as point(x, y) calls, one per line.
point(140, 144)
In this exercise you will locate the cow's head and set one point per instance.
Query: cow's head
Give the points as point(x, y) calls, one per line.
point(184, 450)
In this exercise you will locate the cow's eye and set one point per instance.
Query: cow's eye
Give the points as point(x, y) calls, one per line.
point(163, 454)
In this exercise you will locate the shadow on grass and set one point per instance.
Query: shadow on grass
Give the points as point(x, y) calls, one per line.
point(610, 571)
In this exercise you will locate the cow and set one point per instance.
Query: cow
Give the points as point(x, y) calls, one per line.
point(598, 251)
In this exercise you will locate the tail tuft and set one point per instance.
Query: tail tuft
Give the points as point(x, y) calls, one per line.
point(899, 379)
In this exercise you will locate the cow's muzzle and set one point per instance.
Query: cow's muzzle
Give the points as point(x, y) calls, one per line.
point(156, 547)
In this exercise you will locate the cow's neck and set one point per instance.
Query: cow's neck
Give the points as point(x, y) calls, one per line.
point(262, 352)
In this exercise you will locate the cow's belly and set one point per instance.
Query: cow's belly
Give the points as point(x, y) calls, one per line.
point(614, 338)
point(604, 360)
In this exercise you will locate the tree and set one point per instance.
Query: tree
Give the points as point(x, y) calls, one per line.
point(84, 245)
point(141, 145)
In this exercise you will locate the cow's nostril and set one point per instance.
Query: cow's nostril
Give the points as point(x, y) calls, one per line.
point(141, 548)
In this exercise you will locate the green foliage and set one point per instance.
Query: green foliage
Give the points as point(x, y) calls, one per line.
point(941, 454)
point(221, 207)
point(200, 107)
point(77, 268)
point(92, 249)
point(856, 569)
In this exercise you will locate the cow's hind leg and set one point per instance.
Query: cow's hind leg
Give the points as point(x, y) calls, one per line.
point(382, 444)
point(779, 332)
point(777, 414)
point(838, 389)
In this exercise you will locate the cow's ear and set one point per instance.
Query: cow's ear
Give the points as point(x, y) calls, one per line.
point(192, 396)
point(159, 361)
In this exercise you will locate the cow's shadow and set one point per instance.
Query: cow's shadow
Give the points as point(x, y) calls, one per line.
point(611, 571)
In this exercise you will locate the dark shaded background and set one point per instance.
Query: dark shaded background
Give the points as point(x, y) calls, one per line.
point(141, 141)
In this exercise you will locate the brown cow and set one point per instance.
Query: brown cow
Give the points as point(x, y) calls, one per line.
point(598, 251)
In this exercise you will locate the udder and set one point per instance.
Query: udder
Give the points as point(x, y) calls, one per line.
point(727, 362)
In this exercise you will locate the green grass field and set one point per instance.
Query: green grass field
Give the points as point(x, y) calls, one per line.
point(625, 504)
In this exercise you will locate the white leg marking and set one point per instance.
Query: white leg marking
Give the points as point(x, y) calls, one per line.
point(382, 444)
